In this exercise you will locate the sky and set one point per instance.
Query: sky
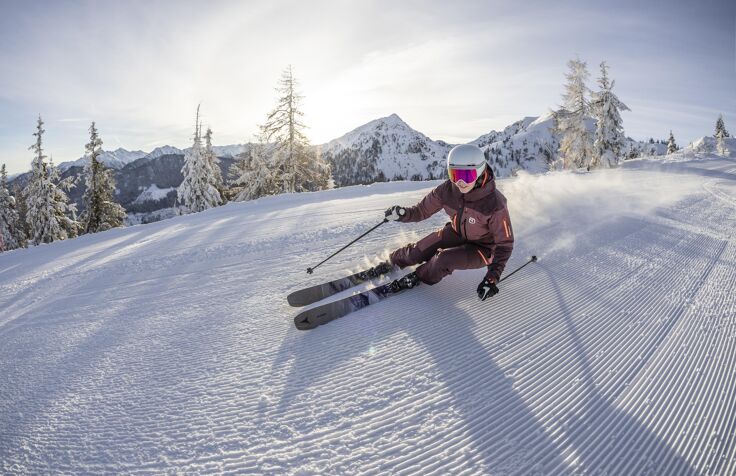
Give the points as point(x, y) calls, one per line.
point(451, 70)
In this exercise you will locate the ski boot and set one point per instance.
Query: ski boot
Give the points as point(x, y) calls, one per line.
point(407, 282)
point(376, 271)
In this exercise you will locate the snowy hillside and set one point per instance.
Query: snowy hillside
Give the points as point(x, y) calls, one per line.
point(153, 193)
point(706, 145)
point(170, 347)
point(529, 144)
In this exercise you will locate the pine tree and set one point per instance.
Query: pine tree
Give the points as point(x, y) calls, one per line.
point(101, 211)
point(721, 135)
point(299, 167)
point(609, 134)
point(251, 175)
point(214, 163)
point(721, 128)
point(48, 205)
point(671, 145)
point(576, 143)
point(197, 191)
point(11, 236)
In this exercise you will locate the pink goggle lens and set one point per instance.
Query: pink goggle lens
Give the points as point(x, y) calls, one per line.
point(466, 175)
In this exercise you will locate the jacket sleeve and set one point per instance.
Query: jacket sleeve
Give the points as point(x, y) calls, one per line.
point(503, 236)
point(430, 204)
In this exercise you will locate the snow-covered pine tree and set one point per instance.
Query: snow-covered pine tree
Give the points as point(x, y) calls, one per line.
point(721, 127)
point(11, 235)
point(48, 205)
point(101, 211)
point(251, 175)
point(671, 145)
point(298, 166)
point(609, 134)
point(721, 135)
point(197, 191)
point(214, 163)
point(576, 143)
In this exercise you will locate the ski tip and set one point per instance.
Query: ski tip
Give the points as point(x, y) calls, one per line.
point(294, 302)
point(303, 324)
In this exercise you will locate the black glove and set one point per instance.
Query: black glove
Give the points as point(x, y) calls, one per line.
point(395, 213)
point(486, 289)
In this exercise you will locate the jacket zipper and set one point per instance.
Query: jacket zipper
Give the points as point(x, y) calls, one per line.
point(460, 222)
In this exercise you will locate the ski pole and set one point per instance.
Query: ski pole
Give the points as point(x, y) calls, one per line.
point(531, 260)
point(311, 270)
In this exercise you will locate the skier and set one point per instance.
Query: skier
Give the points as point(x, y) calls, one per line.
point(478, 236)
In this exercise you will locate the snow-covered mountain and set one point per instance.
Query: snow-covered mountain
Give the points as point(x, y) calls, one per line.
point(384, 149)
point(116, 159)
point(119, 158)
point(164, 150)
point(493, 136)
point(230, 151)
point(529, 144)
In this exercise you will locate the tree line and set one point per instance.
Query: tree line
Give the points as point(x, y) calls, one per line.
point(42, 213)
point(281, 161)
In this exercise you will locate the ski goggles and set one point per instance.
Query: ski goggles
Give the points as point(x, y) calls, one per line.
point(466, 175)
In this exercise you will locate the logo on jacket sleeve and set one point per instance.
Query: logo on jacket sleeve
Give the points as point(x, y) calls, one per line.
point(471, 220)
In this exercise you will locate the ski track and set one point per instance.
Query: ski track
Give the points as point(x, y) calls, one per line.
point(170, 347)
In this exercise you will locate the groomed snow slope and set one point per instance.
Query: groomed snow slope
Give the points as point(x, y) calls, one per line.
point(169, 347)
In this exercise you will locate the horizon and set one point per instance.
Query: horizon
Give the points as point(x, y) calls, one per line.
point(674, 66)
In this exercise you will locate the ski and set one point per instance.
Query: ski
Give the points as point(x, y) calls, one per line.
point(315, 293)
point(325, 313)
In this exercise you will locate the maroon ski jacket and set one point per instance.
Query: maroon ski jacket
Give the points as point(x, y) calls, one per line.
point(479, 216)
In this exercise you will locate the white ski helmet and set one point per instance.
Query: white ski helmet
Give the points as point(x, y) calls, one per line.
point(465, 157)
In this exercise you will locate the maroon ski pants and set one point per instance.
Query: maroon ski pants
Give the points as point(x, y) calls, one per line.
point(441, 253)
